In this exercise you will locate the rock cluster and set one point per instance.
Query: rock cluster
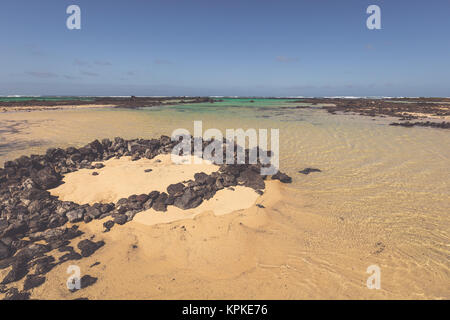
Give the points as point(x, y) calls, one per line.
point(440, 125)
point(30, 214)
point(402, 108)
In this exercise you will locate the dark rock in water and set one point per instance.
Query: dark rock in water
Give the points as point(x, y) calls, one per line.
point(159, 203)
point(15, 294)
point(88, 247)
point(443, 125)
point(33, 281)
point(309, 170)
point(95, 173)
point(120, 219)
point(188, 200)
point(282, 177)
point(175, 190)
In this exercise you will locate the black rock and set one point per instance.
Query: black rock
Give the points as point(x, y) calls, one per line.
point(153, 195)
point(88, 247)
point(18, 271)
point(99, 165)
point(282, 177)
point(121, 219)
point(142, 198)
point(93, 212)
point(95, 173)
point(160, 203)
point(309, 170)
point(15, 294)
point(175, 190)
point(72, 255)
point(148, 204)
point(252, 179)
point(15, 229)
point(35, 194)
point(33, 281)
point(148, 170)
point(106, 207)
point(135, 157)
point(201, 178)
point(46, 178)
point(108, 225)
point(4, 251)
point(75, 215)
point(188, 200)
point(44, 264)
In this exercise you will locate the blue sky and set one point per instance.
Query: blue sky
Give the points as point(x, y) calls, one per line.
point(226, 47)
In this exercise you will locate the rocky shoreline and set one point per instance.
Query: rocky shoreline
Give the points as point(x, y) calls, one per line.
point(128, 102)
point(33, 223)
point(405, 109)
point(441, 125)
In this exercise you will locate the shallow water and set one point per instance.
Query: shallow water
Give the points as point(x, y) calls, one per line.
point(392, 181)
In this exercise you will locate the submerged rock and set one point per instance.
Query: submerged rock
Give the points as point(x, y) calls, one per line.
point(282, 177)
point(309, 170)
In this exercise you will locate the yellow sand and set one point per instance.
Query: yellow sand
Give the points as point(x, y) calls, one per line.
point(121, 178)
point(280, 251)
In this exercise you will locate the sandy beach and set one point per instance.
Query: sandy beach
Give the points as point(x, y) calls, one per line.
point(236, 251)
point(311, 239)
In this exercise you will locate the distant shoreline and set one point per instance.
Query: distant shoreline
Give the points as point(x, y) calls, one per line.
point(39, 104)
point(430, 112)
